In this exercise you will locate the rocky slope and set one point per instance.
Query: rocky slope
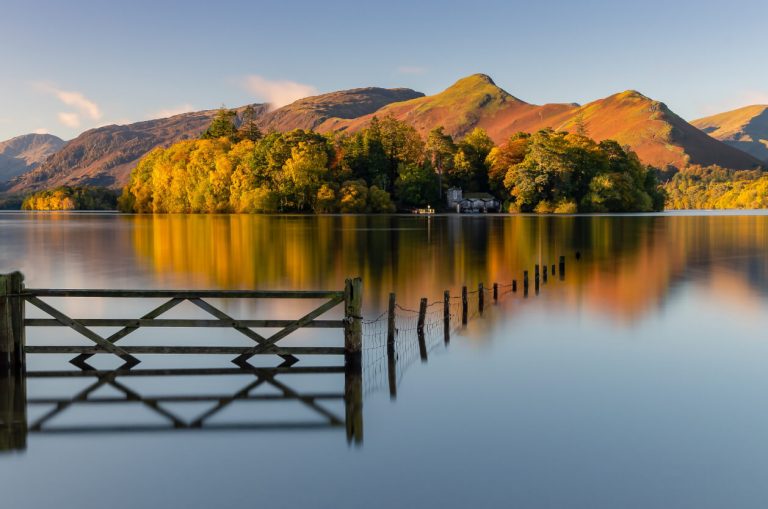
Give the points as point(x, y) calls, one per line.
point(23, 153)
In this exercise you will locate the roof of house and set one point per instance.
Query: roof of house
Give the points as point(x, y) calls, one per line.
point(478, 196)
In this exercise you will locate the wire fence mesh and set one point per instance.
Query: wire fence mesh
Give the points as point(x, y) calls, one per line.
point(385, 365)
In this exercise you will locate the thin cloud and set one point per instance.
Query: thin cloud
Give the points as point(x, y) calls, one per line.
point(278, 92)
point(69, 119)
point(77, 100)
point(170, 112)
point(747, 98)
point(411, 69)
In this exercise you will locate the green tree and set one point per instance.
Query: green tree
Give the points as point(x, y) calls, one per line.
point(222, 125)
point(249, 127)
point(417, 185)
point(440, 150)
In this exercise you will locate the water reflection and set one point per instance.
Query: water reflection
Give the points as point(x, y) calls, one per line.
point(15, 424)
point(630, 262)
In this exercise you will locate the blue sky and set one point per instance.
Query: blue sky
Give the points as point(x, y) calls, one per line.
point(72, 65)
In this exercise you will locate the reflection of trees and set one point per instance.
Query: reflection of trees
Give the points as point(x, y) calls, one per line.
point(629, 262)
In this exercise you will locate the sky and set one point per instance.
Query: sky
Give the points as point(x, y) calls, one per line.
point(68, 66)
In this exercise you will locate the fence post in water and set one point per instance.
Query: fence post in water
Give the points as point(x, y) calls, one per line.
point(495, 292)
point(562, 267)
point(13, 412)
point(420, 329)
point(525, 282)
point(544, 275)
point(514, 285)
point(480, 298)
point(464, 305)
point(536, 279)
point(11, 322)
point(353, 321)
point(391, 321)
point(447, 316)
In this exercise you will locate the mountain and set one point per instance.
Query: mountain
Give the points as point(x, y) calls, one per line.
point(105, 156)
point(23, 153)
point(659, 136)
point(745, 129)
point(311, 112)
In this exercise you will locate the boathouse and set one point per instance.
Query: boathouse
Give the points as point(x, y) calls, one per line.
point(471, 202)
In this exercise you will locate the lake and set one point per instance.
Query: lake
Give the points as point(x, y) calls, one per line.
point(634, 380)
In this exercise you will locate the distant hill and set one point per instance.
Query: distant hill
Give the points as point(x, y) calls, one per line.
point(311, 112)
point(745, 129)
point(659, 136)
point(23, 153)
point(105, 156)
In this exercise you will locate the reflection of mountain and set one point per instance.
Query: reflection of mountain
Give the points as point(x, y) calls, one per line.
point(629, 264)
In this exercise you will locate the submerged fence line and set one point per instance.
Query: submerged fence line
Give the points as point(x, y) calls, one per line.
point(400, 336)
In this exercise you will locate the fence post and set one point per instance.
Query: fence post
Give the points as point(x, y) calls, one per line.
point(353, 320)
point(480, 298)
point(553, 270)
point(391, 321)
point(514, 285)
point(525, 282)
point(464, 305)
point(420, 329)
point(447, 316)
point(544, 274)
point(495, 292)
point(562, 267)
point(11, 322)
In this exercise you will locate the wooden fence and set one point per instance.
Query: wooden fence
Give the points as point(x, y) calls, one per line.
point(13, 322)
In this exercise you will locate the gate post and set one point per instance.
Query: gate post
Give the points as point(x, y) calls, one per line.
point(11, 322)
point(353, 320)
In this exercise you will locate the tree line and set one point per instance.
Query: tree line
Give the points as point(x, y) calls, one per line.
point(714, 187)
point(72, 198)
point(387, 166)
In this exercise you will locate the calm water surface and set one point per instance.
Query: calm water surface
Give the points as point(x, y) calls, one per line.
point(637, 381)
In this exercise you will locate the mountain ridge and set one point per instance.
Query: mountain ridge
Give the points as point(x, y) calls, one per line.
point(744, 128)
point(106, 155)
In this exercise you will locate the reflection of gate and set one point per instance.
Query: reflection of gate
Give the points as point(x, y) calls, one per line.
point(14, 425)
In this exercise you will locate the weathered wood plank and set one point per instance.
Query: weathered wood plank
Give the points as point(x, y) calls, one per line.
point(185, 294)
point(353, 310)
point(65, 320)
point(165, 322)
point(268, 345)
point(11, 322)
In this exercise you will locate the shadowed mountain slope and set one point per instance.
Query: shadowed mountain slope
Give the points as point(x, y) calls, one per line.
point(23, 153)
point(745, 129)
